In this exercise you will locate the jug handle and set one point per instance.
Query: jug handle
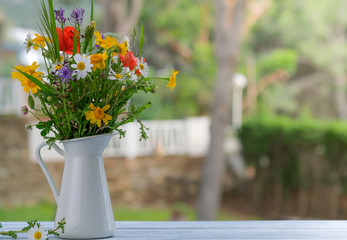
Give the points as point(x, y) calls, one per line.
point(46, 170)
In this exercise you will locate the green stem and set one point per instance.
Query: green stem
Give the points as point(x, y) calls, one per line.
point(6, 233)
point(35, 116)
point(48, 113)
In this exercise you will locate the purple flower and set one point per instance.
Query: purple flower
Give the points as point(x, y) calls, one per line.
point(25, 110)
point(59, 15)
point(64, 74)
point(77, 16)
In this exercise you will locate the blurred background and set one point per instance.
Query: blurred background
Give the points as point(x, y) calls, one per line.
point(260, 99)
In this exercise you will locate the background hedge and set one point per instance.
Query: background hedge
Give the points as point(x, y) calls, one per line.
point(299, 164)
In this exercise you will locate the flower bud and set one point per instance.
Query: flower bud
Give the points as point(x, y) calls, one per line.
point(89, 33)
point(25, 110)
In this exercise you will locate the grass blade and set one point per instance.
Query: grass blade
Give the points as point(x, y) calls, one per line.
point(54, 29)
point(141, 39)
point(92, 10)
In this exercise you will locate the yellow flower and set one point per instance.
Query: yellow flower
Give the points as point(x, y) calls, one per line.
point(39, 41)
point(106, 43)
point(99, 40)
point(98, 60)
point(172, 81)
point(26, 83)
point(123, 48)
point(98, 114)
point(109, 42)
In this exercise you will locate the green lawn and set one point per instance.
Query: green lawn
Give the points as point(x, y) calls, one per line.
point(46, 212)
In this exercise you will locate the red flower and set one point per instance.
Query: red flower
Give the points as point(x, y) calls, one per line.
point(129, 60)
point(69, 34)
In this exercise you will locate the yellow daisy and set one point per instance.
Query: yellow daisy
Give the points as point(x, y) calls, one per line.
point(123, 48)
point(172, 81)
point(106, 43)
point(39, 41)
point(97, 114)
point(99, 40)
point(27, 84)
point(109, 42)
point(98, 60)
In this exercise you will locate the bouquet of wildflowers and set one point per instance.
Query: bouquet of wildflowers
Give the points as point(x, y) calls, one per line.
point(89, 81)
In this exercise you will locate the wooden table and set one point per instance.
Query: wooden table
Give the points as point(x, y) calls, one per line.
point(217, 230)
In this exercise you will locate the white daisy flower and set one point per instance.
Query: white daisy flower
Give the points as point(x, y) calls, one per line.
point(142, 66)
point(83, 65)
point(37, 233)
point(127, 39)
point(28, 44)
point(132, 76)
point(119, 76)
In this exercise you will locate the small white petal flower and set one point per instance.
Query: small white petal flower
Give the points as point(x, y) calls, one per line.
point(127, 39)
point(132, 76)
point(82, 66)
point(119, 76)
point(142, 66)
point(37, 233)
point(28, 44)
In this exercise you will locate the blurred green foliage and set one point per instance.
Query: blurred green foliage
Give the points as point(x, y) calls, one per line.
point(45, 211)
point(285, 59)
point(291, 151)
point(178, 34)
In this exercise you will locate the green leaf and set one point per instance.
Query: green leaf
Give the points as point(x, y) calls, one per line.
point(41, 125)
point(54, 29)
point(140, 109)
point(44, 132)
point(141, 38)
point(12, 234)
point(92, 10)
point(43, 87)
point(31, 101)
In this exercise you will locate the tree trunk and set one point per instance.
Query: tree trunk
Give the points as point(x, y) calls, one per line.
point(340, 96)
point(229, 18)
point(122, 15)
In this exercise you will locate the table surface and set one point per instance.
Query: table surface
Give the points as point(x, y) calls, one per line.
point(185, 230)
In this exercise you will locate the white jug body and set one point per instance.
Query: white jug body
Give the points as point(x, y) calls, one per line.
point(84, 200)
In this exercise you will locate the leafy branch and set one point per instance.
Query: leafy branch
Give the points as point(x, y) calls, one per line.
point(31, 224)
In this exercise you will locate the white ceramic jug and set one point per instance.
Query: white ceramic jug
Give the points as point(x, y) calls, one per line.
point(84, 200)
